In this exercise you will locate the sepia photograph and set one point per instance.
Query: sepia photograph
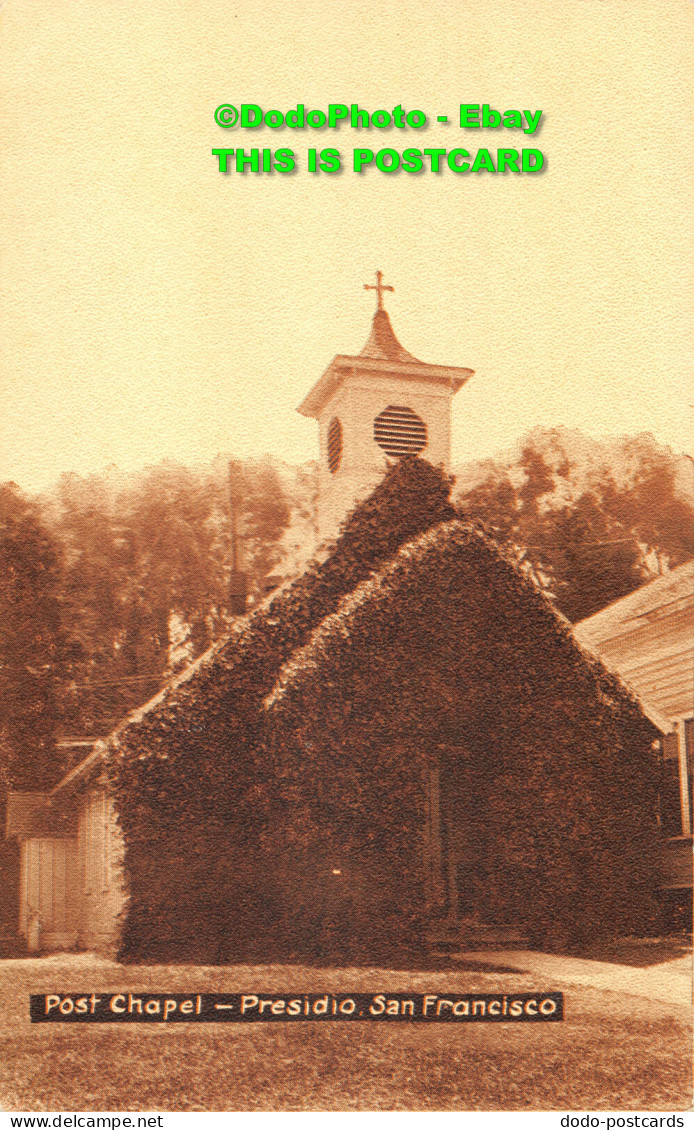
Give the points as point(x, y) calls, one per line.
point(346, 559)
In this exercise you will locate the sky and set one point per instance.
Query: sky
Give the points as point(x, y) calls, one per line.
point(155, 308)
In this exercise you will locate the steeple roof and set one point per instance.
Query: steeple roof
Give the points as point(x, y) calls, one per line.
point(382, 343)
point(382, 355)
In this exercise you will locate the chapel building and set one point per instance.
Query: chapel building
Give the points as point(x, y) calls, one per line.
point(415, 664)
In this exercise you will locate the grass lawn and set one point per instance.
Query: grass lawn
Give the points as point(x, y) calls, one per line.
point(611, 1052)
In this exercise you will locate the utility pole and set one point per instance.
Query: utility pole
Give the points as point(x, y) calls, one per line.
point(238, 582)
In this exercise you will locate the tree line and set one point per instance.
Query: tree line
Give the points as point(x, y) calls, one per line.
point(591, 521)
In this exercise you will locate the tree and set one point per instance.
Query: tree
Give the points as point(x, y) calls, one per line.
point(33, 647)
point(589, 533)
point(146, 566)
point(97, 567)
point(590, 558)
point(651, 506)
point(32, 653)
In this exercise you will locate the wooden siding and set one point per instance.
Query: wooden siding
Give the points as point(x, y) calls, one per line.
point(100, 853)
point(48, 904)
point(646, 638)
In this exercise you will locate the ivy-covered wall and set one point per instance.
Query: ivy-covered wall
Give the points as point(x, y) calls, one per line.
point(450, 657)
point(191, 784)
point(272, 801)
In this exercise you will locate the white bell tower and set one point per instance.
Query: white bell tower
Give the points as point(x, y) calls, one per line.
point(372, 408)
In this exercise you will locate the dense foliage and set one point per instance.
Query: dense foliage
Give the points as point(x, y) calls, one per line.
point(239, 818)
point(111, 584)
point(204, 811)
point(94, 577)
point(33, 648)
point(450, 658)
point(33, 660)
point(148, 553)
point(141, 567)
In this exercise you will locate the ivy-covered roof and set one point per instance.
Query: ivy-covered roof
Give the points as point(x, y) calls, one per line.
point(442, 560)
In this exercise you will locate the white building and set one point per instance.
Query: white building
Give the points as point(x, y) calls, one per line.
point(647, 639)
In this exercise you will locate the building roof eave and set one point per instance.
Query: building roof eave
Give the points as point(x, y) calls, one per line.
point(662, 597)
point(81, 772)
point(342, 365)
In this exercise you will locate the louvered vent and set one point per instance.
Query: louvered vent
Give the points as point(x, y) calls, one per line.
point(334, 444)
point(400, 431)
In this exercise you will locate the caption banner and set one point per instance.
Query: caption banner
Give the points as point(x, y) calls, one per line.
point(253, 1008)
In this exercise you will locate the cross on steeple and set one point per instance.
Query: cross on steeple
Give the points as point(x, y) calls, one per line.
point(380, 288)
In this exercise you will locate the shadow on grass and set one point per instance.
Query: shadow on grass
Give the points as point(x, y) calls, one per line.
point(638, 952)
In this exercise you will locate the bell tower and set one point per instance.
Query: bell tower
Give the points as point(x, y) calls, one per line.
point(373, 407)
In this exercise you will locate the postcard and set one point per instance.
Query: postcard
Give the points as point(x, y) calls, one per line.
point(347, 570)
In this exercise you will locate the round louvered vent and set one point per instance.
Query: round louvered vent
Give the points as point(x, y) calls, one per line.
point(334, 444)
point(400, 431)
